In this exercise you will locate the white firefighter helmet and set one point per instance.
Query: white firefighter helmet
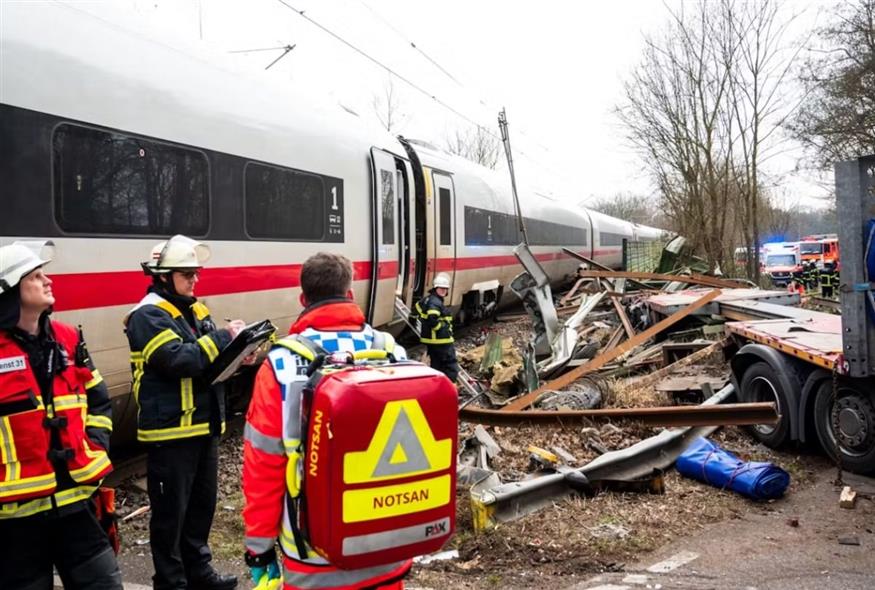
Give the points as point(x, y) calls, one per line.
point(441, 281)
point(177, 253)
point(22, 257)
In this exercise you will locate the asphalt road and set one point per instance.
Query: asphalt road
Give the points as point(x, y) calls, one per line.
point(764, 551)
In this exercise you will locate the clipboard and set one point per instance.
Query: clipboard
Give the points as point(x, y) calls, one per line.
point(231, 357)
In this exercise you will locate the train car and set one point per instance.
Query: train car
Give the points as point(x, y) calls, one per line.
point(114, 140)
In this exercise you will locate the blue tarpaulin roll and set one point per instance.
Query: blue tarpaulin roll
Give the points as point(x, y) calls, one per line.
point(705, 461)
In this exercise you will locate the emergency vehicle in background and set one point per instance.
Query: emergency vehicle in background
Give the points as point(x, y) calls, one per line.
point(782, 262)
point(822, 249)
point(124, 138)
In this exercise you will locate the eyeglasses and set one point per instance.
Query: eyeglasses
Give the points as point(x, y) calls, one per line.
point(190, 275)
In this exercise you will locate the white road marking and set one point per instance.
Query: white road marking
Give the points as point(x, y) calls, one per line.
point(640, 579)
point(610, 587)
point(673, 562)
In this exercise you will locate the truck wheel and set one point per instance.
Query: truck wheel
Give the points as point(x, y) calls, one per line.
point(846, 425)
point(760, 384)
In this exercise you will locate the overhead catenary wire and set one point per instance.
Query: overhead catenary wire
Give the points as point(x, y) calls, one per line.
point(412, 84)
point(415, 47)
point(380, 64)
point(442, 69)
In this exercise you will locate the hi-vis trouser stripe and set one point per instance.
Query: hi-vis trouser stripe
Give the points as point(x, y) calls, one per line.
point(96, 379)
point(209, 347)
point(160, 434)
point(31, 507)
point(158, 341)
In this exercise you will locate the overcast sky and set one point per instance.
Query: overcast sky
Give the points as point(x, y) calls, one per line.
point(557, 66)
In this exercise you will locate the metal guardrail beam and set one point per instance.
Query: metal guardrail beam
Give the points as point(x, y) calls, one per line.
point(492, 504)
point(722, 415)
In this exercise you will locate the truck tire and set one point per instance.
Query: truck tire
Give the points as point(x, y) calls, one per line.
point(760, 384)
point(846, 426)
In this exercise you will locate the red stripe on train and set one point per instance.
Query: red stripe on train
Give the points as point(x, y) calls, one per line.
point(102, 289)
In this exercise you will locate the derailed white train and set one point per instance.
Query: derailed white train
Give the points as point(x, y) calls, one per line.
point(112, 141)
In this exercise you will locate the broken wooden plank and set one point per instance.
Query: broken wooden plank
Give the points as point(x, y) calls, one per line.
point(614, 339)
point(606, 357)
point(621, 313)
point(657, 376)
point(655, 276)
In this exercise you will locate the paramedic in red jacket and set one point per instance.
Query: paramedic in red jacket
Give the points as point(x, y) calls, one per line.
point(55, 422)
point(272, 438)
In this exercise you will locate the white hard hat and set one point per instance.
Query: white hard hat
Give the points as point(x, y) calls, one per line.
point(179, 252)
point(22, 257)
point(441, 280)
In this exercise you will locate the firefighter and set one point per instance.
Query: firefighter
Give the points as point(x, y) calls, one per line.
point(173, 341)
point(55, 424)
point(436, 328)
point(828, 279)
point(810, 276)
point(273, 444)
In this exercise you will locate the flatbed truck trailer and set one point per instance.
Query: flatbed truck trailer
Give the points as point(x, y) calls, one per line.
point(819, 368)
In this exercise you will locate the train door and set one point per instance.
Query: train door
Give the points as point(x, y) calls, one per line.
point(406, 232)
point(444, 231)
point(386, 272)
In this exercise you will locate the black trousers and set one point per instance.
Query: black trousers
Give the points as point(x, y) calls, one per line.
point(181, 479)
point(443, 359)
point(74, 544)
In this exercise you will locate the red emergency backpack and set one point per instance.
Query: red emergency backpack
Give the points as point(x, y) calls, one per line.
point(379, 469)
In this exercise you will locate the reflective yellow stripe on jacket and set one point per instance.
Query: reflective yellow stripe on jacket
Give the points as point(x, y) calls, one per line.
point(158, 341)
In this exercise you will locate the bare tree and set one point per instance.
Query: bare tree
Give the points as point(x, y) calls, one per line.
point(700, 108)
point(674, 102)
point(387, 107)
point(837, 118)
point(475, 144)
point(760, 63)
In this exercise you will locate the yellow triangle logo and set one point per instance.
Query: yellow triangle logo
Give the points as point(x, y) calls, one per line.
point(402, 445)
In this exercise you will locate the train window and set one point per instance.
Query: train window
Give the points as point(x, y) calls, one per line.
point(493, 228)
point(611, 239)
point(388, 206)
point(283, 204)
point(445, 206)
point(106, 182)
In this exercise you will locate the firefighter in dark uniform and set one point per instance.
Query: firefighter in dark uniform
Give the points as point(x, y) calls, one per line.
point(55, 424)
point(436, 328)
point(811, 280)
point(828, 279)
point(173, 341)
